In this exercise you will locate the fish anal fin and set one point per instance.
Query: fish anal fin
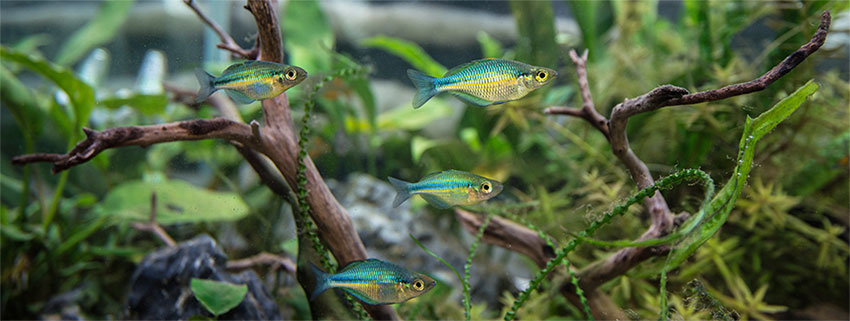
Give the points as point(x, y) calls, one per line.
point(472, 99)
point(238, 97)
point(436, 201)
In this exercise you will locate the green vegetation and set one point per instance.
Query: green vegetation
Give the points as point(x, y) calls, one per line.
point(770, 243)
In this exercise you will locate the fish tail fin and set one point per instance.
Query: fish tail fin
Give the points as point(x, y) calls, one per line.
point(425, 88)
point(322, 283)
point(207, 87)
point(402, 188)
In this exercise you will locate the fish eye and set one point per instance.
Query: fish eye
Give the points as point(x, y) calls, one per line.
point(486, 187)
point(418, 285)
point(290, 74)
point(541, 75)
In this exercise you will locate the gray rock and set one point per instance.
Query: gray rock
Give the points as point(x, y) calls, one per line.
point(159, 288)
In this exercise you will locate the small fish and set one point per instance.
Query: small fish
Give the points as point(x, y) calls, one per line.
point(482, 82)
point(250, 80)
point(374, 282)
point(447, 188)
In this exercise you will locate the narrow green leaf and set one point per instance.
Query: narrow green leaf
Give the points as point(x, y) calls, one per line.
point(177, 202)
point(145, 104)
point(17, 98)
point(97, 31)
point(408, 51)
point(536, 23)
point(307, 35)
point(490, 47)
point(218, 297)
point(436, 257)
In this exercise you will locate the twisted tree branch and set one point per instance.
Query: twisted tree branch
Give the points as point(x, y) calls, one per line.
point(227, 41)
point(662, 220)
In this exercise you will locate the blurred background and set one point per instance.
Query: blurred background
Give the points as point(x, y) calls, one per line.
point(67, 243)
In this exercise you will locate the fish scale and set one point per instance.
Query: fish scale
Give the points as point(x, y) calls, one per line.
point(250, 80)
point(448, 188)
point(483, 82)
point(374, 282)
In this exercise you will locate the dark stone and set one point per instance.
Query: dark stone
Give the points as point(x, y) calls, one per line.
point(160, 288)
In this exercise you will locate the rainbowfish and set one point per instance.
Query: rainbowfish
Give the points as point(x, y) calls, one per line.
point(482, 82)
point(374, 282)
point(447, 188)
point(250, 80)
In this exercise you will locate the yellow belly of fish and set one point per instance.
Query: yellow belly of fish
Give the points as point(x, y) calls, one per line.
point(494, 90)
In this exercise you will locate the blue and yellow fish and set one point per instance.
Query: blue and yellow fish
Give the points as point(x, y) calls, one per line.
point(250, 80)
point(483, 82)
point(448, 188)
point(374, 282)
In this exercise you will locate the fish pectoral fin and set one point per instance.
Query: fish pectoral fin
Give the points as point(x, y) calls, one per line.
point(436, 201)
point(472, 99)
point(238, 97)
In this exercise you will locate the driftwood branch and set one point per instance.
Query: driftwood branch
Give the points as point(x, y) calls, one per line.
point(227, 42)
point(154, 227)
point(614, 129)
point(276, 140)
point(98, 141)
point(263, 259)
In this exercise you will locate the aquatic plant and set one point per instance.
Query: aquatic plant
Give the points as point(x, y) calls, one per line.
point(727, 274)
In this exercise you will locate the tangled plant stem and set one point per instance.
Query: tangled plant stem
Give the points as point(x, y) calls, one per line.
point(665, 183)
point(306, 223)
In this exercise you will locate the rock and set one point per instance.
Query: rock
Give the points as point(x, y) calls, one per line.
point(159, 288)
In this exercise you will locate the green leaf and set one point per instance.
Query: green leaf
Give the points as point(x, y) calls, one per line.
point(13, 232)
point(145, 104)
point(97, 31)
point(408, 51)
point(536, 23)
point(177, 202)
point(307, 35)
point(80, 94)
point(490, 47)
point(724, 201)
point(218, 297)
point(17, 98)
point(594, 20)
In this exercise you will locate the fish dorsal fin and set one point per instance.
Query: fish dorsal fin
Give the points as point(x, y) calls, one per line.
point(431, 175)
point(466, 65)
point(354, 264)
point(480, 102)
point(245, 64)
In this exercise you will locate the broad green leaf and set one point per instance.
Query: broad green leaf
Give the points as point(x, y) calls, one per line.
point(177, 202)
point(536, 23)
point(97, 31)
point(79, 93)
point(408, 51)
point(724, 201)
point(307, 35)
point(218, 297)
point(145, 104)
